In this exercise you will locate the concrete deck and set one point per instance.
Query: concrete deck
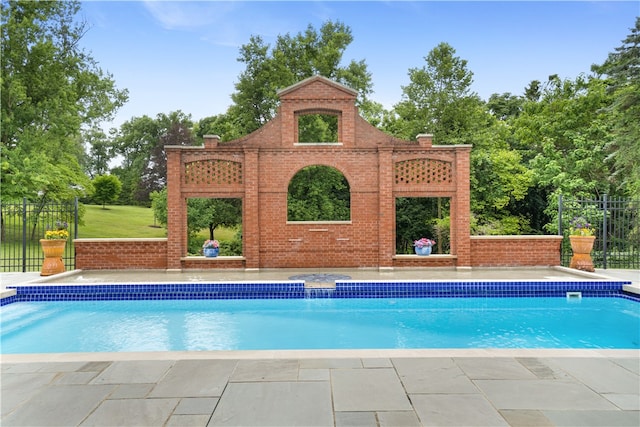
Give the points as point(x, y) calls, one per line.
point(432, 388)
point(478, 387)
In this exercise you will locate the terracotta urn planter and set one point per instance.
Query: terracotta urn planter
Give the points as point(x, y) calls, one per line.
point(581, 247)
point(53, 252)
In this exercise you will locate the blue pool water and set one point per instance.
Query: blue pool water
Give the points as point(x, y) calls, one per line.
point(378, 323)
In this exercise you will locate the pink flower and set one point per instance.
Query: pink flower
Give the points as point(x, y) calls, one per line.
point(210, 244)
point(424, 242)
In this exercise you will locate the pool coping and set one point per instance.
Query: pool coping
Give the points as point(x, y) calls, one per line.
point(317, 354)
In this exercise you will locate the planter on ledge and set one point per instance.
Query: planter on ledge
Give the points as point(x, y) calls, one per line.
point(53, 252)
point(425, 250)
point(581, 247)
point(211, 252)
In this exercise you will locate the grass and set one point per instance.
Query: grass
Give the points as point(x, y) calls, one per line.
point(112, 222)
point(131, 221)
point(119, 221)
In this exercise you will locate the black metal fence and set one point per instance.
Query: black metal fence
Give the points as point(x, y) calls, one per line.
point(22, 227)
point(617, 228)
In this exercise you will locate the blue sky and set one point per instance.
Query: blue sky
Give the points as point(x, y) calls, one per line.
point(182, 55)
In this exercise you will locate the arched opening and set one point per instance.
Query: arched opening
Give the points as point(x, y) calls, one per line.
point(319, 193)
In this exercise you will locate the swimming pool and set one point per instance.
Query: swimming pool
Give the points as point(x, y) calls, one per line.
point(288, 316)
point(163, 325)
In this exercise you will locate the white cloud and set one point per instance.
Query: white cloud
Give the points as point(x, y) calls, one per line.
point(185, 15)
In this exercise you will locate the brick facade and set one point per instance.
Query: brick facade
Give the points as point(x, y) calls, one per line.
point(486, 251)
point(515, 251)
point(259, 167)
point(120, 254)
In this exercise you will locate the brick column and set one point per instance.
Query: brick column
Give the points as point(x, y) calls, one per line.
point(461, 208)
point(386, 208)
point(176, 210)
point(250, 210)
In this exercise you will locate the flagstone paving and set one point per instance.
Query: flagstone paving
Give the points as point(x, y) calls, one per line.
point(331, 391)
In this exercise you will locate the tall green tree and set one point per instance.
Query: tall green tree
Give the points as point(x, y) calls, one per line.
point(622, 68)
point(291, 59)
point(140, 143)
point(567, 132)
point(439, 100)
point(99, 149)
point(51, 88)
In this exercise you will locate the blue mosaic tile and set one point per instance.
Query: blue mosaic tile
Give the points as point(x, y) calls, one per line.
point(296, 289)
point(8, 300)
point(354, 289)
point(161, 291)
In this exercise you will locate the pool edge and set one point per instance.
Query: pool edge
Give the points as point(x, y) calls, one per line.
point(318, 354)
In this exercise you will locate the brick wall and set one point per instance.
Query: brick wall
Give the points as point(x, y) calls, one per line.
point(486, 251)
point(120, 254)
point(515, 251)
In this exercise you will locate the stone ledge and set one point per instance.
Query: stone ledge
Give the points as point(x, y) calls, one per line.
point(434, 256)
point(517, 237)
point(121, 239)
point(204, 258)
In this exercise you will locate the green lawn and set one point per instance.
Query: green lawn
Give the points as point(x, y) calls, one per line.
point(112, 222)
point(131, 221)
point(119, 221)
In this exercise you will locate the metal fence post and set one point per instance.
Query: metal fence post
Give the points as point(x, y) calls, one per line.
point(560, 230)
point(24, 234)
point(604, 231)
point(75, 219)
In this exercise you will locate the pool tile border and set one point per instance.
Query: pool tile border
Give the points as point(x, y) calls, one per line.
point(296, 289)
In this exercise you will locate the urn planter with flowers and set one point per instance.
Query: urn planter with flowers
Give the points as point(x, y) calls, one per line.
point(53, 246)
point(423, 246)
point(211, 248)
point(581, 236)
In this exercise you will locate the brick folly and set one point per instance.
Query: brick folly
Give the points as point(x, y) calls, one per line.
point(259, 167)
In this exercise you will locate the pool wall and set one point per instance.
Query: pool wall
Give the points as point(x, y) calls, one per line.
point(297, 289)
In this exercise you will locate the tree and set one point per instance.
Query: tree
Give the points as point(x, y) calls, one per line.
point(51, 88)
point(201, 212)
point(567, 131)
point(505, 106)
point(290, 60)
point(439, 101)
point(140, 142)
point(223, 125)
point(107, 189)
point(213, 213)
point(623, 69)
point(176, 130)
point(100, 148)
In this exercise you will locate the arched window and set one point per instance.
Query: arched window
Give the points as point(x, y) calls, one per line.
point(319, 193)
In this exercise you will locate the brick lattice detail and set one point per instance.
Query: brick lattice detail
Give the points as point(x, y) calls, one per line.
point(213, 171)
point(423, 171)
